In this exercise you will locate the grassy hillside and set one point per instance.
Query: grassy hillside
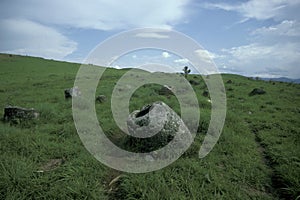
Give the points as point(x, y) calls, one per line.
point(257, 156)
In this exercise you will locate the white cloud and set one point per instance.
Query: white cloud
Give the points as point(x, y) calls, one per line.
point(280, 59)
point(39, 24)
point(274, 50)
point(182, 61)
point(165, 54)
point(249, 52)
point(98, 14)
point(285, 28)
point(205, 55)
point(21, 36)
point(261, 9)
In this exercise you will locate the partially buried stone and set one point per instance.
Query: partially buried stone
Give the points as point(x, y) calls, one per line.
point(15, 112)
point(166, 90)
point(205, 93)
point(153, 127)
point(72, 92)
point(257, 91)
point(51, 165)
point(101, 98)
point(193, 82)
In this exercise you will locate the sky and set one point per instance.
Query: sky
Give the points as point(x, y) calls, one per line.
point(259, 38)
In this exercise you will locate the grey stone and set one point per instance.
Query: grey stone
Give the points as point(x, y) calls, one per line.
point(72, 92)
point(153, 127)
point(15, 112)
point(101, 98)
point(205, 93)
point(257, 91)
point(51, 165)
point(165, 90)
point(193, 82)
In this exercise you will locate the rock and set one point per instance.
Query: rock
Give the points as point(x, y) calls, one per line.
point(72, 92)
point(165, 90)
point(205, 93)
point(257, 91)
point(68, 93)
point(193, 82)
point(153, 127)
point(51, 165)
point(101, 98)
point(15, 112)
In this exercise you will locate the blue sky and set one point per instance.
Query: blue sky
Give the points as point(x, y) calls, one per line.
point(248, 37)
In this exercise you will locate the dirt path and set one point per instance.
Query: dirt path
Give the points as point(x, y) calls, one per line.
point(273, 188)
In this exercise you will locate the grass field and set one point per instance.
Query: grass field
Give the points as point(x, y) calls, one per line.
point(256, 157)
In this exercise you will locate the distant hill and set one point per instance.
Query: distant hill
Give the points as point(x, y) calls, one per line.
point(282, 79)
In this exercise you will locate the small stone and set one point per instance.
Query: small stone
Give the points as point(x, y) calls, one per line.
point(101, 98)
point(72, 92)
point(205, 93)
point(166, 90)
point(51, 165)
point(257, 91)
point(15, 112)
point(193, 82)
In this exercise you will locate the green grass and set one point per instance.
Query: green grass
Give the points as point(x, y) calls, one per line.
point(256, 157)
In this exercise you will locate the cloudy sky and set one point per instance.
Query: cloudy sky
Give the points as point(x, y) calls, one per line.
point(248, 37)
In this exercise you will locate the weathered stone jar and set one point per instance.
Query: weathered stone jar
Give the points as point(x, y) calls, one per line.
point(152, 127)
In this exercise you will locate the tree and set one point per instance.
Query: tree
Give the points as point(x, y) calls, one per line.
point(186, 71)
